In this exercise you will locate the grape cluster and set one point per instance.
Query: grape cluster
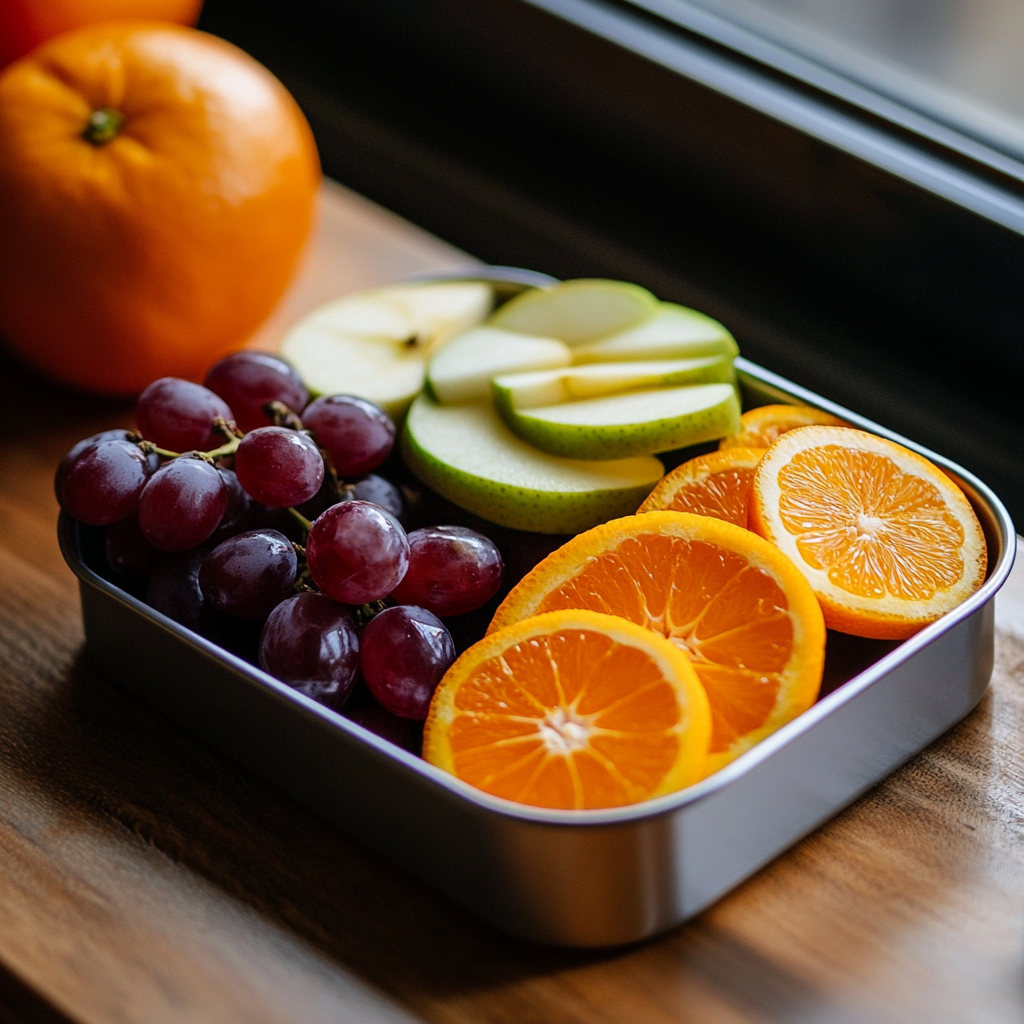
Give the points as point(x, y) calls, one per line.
point(240, 505)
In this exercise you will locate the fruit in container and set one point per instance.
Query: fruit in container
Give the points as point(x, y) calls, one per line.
point(403, 653)
point(310, 643)
point(156, 193)
point(467, 454)
point(279, 467)
point(887, 541)
point(645, 376)
point(462, 370)
point(577, 312)
point(717, 485)
point(742, 611)
point(452, 570)
point(24, 24)
point(248, 381)
point(357, 552)
point(631, 423)
point(513, 392)
point(102, 482)
point(181, 416)
point(376, 344)
point(573, 710)
point(356, 434)
point(250, 574)
point(672, 332)
point(763, 426)
point(182, 504)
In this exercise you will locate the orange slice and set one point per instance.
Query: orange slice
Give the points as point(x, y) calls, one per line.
point(732, 601)
point(572, 709)
point(888, 542)
point(762, 427)
point(716, 485)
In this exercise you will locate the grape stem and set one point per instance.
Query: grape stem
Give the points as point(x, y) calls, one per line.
point(301, 519)
point(282, 416)
point(229, 448)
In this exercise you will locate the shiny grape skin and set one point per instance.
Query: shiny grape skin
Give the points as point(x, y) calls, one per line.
point(310, 643)
point(128, 553)
point(182, 504)
point(357, 552)
point(378, 490)
point(77, 449)
point(279, 467)
point(357, 434)
point(249, 575)
point(174, 590)
point(452, 570)
point(403, 653)
point(247, 381)
point(178, 415)
point(325, 497)
point(239, 511)
point(104, 483)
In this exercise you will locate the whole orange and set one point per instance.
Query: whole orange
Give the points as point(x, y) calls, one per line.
point(156, 192)
point(24, 24)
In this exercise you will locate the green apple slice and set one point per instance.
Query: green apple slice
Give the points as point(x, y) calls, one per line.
point(552, 387)
point(674, 332)
point(634, 423)
point(387, 373)
point(461, 370)
point(375, 344)
point(577, 311)
point(467, 454)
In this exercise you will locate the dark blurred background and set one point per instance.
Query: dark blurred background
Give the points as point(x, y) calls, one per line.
point(761, 160)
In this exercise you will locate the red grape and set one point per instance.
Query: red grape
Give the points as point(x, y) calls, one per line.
point(77, 449)
point(174, 590)
point(357, 552)
point(279, 467)
point(451, 570)
point(310, 643)
point(403, 653)
point(357, 434)
point(128, 552)
point(104, 482)
point(248, 380)
point(178, 415)
point(249, 575)
point(325, 497)
point(378, 490)
point(239, 511)
point(182, 503)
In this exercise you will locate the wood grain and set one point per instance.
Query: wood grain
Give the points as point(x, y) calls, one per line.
point(145, 878)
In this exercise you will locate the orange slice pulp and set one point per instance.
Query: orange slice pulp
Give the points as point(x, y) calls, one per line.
point(716, 485)
point(739, 608)
point(762, 427)
point(887, 540)
point(572, 709)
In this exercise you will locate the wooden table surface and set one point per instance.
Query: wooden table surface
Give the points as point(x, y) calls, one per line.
point(145, 878)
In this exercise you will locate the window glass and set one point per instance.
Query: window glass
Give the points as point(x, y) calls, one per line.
point(960, 62)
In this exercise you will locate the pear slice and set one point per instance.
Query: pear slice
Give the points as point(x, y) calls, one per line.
point(467, 454)
point(577, 311)
point(376, 343)
point(674, 332)
point(552, 387)
point(461, 370)
point(633, 423)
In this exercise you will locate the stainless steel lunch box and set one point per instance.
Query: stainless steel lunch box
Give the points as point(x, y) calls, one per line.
point(583, 878)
